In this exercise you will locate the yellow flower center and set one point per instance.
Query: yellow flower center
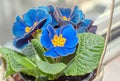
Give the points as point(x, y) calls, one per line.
point(66, 19)
point(58, 40)
point(27, 29)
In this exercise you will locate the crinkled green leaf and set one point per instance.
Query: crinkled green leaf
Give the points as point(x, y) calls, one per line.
point(16, 62)
point(9, 70)
point(87, 55)
point(40, 50)
point(29, 52)
point(49, 68)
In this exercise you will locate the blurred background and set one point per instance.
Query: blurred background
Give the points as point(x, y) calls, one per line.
point(97, 10)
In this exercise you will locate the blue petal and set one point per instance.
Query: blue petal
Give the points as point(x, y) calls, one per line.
point(70, 34)
point(84, 25)
point(45, 40)
point(49, 20)
point(51, 8)
point(77, 15)
point(71, 50)
point(65, 12)
point(41, 14)
point(30, 17)
point(61, 51)
point(21, 42)
point(54, 21)
point(82, 30)
point(51, 12)
point(18, 27)
point(71, 42)
point(51, 31)
point(51, 53)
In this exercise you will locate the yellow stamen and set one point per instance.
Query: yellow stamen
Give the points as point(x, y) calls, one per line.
point(66, 19)
point(58, 40)
point(27, 29)
point(35, 24)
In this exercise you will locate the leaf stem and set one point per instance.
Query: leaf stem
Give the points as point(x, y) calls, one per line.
point(107, 37)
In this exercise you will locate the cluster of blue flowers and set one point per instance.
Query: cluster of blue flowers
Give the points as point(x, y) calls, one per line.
point(59, 27)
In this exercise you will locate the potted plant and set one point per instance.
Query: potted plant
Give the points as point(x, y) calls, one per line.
point(56, 44)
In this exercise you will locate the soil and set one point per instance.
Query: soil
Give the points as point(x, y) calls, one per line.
point(86, 77)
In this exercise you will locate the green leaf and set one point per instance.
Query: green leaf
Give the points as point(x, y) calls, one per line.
point(87, 55)
point(9, 70)
point(29, 52)
point(40, 51)
point(16, 62)
point(49, 68)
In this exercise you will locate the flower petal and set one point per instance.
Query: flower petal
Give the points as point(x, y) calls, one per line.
point(84, 25)
point(20, 42)
point(41, 14)
point(71, 50)
point(64, 51)
point(82, 30)
point(61, 51)
point(70, 34)
point(51, 53)
point(71, 42)
point(54, 21)
point(77, 15)
point(51, 31)
point(18, 27)
point(65, 12)
point(30, 17)
point(45, 40)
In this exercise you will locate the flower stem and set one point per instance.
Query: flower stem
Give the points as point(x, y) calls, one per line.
point(107, 37)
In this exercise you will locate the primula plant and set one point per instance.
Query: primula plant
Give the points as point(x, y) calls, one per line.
point(53, 42)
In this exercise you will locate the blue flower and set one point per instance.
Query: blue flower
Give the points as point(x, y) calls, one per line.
point(86, 26)
point(59, 42)
point(66, 15)
point(33, 20)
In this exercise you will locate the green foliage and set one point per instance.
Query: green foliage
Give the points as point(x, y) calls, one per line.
point(52, 69)
point(15, 61)
point(33, 62)
point(87, 55)
point(29, 52)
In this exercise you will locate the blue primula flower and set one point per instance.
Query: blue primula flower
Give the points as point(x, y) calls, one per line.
point(66, 15)
point(59, 42)
point(33, 20)
point(86, 26)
